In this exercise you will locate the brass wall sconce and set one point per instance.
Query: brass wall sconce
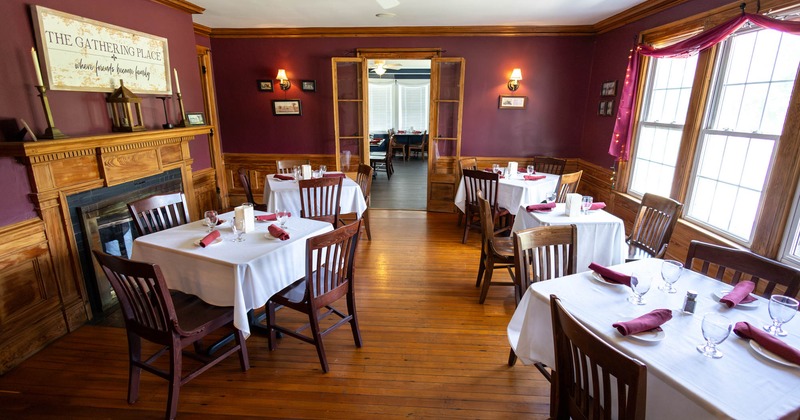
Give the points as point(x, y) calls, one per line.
point(284, 81)
point(513, 82)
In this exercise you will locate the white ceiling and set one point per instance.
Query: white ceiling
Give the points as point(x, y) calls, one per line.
point(361, 13)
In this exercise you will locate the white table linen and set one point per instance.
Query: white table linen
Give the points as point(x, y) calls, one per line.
point(285, 195)
point(239, 274)
point(601, 235)
point(681, 382)
point(515, 192)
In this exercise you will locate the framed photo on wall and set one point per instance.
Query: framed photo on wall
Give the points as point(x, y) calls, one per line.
point(286, 107)
point(609, 88)
point(512, 102)
point(264, 85)
point(308, 85)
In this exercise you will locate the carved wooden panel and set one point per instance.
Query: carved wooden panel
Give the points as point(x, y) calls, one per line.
point(123, 167)
point(170, 154)
point(73, 171)
point(205, 192)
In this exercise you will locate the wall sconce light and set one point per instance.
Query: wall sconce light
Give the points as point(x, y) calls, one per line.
point(513, 82)
point(284, 81)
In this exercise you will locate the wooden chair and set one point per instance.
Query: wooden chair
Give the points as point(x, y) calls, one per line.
point(244, 178)
point(285, 166)
point(465, 163)
point(732, 265)
point(549, 165)
point(496, 252)
point(582, 386)
point(159, 212)
point(488, 183)
point(173, 320)
point(420, 148)
point(653, 226)
point(329, 277)
point(542, 253)
point(364, 181)
point(393, 145)
point(568, 185)
point(320, 198)
point(382, 161)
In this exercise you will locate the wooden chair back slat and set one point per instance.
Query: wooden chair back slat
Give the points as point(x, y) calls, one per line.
point(159, 212)
point(549, 165)
point(568, 184)
point(320, 199)
point(543, 253)
point(653, 226)
point(285, 166)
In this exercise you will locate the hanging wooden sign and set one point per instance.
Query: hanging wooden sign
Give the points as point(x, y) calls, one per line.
point(86, 55)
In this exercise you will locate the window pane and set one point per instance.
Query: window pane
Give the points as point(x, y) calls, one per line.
point(413, 104)
point(381, 100)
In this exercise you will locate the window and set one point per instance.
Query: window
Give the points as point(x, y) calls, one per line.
point(414, 98)
point(381, 105)
point(400, 104)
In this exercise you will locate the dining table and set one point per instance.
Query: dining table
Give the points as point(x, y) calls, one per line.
point(284, 195)
point(514, 191)
point(746, 383)
point(601, 235)
point(228, 273)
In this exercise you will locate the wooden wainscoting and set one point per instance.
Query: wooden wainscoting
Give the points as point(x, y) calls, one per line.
point(205, 192)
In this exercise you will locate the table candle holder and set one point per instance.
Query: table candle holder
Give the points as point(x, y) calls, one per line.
point(167, 124)
point(51, 132)
point(182, 123)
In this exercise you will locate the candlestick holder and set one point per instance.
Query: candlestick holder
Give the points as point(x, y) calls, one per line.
point(51, 132)
point(167, 124)
point(182, 123)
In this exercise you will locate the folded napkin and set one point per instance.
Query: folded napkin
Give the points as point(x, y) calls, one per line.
point(333, 175)
point(598, 206)
point(277, 232)
point(739, 294)
point(541, 207)
point(401, 131)
point(534, 177)
point(208, 239)
point(220, 221)
point(649, 321)
point(284, 177)
point(375, 141)
point(267, 217)
point(610, 275)
point(767, 341)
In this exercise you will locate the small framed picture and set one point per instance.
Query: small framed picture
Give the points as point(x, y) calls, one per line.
point(512, 102)
point(609, 88)
point(601, 109)
point(195, 118)
point(264, 85)
point(610, 108)
point(286, 107)
point(308, 85)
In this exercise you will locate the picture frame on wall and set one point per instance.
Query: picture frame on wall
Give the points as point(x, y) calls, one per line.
point(609, 88)
point(601, 108)
point(265, 85)
point(195, 118)
point(512, 102)
point(308, 85)
point(286, 107)
point(610, 108)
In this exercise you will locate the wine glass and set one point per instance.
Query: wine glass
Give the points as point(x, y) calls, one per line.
point(530, 170)
point(586, 203)
point(716, 329)
point(640, 285)
point(210, 219)
point(781, 310)
point(282, 216)
point(670, 271)
point(238, 230)
point(322, 170)
point(551, 198)
point(495, 168)
point(297, 172)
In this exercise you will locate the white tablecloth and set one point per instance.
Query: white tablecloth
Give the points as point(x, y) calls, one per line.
point(681, 383)
point(239, 274)
point(515, 192)
point(286, 196)
point(601, 235)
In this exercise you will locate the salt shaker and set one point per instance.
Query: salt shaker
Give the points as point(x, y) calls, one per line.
point(689, 302)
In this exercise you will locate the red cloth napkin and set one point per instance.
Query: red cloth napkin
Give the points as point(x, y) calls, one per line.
point(208, 239)
point(284, 177)
point(277, 232)
point(401, 132)
point(333, 175)
point(649, 321)
point(267, 217)
point(220, 221)
point(739, 294)
point(534, 177)
point(541, 207)
point(770, 343)
point(375, 141)
point(598, 206)
point(611, 275)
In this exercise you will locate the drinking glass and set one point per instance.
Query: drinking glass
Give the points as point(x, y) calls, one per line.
point(322, 169)
point(640, 285)
point(495, 168)
point(670, 271)
point(297, 172)
point(282, 215)
point(551, 198)
point(210, 219)
point(716, 329)
point(781, 310)
point(238, 230)
point(530, 169)
point(586, 203)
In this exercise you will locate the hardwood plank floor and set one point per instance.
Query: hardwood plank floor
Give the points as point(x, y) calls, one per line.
point(407, 190)
point(430, 351)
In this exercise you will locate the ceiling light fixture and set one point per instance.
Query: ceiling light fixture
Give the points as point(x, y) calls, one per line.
point(385, 15)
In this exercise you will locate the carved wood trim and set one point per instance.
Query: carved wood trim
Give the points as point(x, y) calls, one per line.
point(415, 31)
point(182, 5)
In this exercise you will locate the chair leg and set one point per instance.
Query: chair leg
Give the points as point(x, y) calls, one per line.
point(244, 358)
point(512, 358)
point(135, 372)
point(175, 368)
point(365, 218)
point(315, 332)
point(487, 281)
point(481, 268)
point(269, 311)
point(351, 309)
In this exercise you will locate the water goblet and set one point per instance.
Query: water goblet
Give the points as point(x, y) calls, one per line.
point(297, 172)
point(640, 285)
point(670, 272)
point(716, 329)
point(495, 168)
point(530, 170)
point(551, 198)
point(210, 219)
point(282, 216)
point(238, 230)
point(586, 203)
point(781, 310)
point(322, 170)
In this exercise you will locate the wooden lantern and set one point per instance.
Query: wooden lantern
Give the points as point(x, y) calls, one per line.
point(126, 110)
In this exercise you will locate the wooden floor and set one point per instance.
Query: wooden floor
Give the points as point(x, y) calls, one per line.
point(407, 188)
point(430, 351)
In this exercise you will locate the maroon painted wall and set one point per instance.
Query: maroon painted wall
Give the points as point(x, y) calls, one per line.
point(77, 113)
point(555, 79)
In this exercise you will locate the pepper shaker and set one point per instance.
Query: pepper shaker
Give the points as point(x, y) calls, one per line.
point(689, 302)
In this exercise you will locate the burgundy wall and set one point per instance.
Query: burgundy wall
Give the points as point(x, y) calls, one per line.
point(554, 73)
point(77, 113)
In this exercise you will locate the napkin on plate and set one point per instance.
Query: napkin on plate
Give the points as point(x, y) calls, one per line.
point(541, 207)
point(739, 294)
point(333, 175)
point(277, 232)
point(598, 206)
point(767, 341)
point(284, 177)
point(534, 177)
point(649, 321)
point(267, 217)
point(610, 275)
point(208, 239)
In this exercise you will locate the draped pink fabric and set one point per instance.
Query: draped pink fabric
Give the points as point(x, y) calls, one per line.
point(621, 137)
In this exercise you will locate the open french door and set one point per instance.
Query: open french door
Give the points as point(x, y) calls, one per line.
point(350, 113)
point(446, 108)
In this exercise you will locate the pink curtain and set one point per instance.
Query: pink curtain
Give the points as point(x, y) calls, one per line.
point(621, 137)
